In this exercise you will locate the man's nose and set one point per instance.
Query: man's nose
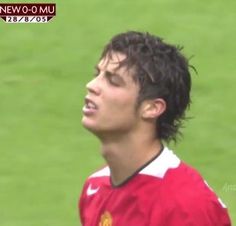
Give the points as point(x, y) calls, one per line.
point(93, 86)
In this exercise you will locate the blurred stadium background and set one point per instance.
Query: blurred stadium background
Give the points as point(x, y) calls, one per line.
point(45, 154)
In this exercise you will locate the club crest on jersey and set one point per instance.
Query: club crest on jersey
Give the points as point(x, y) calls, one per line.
point(106, 219)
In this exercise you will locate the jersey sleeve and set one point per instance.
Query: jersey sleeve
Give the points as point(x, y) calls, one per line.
point(82, 203)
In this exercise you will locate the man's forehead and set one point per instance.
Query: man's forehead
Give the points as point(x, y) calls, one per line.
point(111, 61)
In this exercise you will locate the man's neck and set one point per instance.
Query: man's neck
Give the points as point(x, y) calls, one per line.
point(126, 154)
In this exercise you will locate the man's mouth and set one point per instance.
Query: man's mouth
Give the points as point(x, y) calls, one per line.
point(90, 104)
point(90, 107)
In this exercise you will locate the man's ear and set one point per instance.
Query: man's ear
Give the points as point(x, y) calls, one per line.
point(152, 109)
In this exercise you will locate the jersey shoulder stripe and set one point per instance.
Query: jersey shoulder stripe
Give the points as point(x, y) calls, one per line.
point(158, 168)
point(105, 172)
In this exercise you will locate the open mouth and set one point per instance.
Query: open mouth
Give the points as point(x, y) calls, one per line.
point(90, 107)
point(90, 104)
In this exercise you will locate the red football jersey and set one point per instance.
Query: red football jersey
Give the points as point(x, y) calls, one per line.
point(164, 192)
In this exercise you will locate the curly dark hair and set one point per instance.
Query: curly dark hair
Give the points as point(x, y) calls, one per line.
point(162, 72)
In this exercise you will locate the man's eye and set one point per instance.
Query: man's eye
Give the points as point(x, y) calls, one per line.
point(96, 73)
point(113, 81)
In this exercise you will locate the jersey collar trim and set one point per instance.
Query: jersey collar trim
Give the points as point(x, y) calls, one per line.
point(156, 167)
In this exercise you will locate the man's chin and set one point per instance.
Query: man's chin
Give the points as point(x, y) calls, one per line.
point(99, 132)
point(87, 124)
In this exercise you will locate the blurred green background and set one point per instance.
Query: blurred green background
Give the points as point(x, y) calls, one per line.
point(45, 154)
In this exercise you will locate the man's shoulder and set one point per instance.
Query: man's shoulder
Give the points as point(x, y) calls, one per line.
point(99, 178)
point(183, 194)
point(103, 172)
point(168, 167)
point(170, 175)
point(189, 192)
point(186, 183)
point(95, 181)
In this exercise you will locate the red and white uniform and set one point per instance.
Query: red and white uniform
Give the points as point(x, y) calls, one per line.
point(164, 192)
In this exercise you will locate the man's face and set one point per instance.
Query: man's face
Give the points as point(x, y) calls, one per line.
point(110, 104)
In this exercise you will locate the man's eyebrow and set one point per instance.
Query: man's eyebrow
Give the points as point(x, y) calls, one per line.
point(97, 68)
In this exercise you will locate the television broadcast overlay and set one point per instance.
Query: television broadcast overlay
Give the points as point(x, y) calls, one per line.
point(27, 12)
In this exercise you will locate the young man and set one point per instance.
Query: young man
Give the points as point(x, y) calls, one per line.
point(136, 101)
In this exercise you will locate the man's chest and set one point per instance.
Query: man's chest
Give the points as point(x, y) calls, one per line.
point(116, 207)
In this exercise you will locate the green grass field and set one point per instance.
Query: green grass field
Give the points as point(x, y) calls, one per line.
point(45, 154)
